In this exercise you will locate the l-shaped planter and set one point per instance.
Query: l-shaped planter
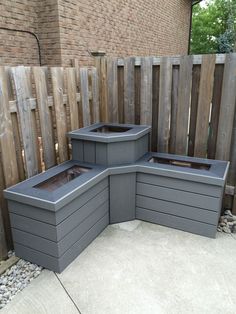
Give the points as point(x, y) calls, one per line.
point(56, 214)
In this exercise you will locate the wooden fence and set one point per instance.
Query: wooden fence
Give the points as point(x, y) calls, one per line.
point(189, 101)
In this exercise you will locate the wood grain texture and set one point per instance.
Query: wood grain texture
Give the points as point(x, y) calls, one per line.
point(194, 105)
point(72, 97)
point(155, 105)
point(215, 111)
point(85, 96)
point(164, 105)
point(204, 105)
point(60, 112)
point(112, 90)
point(8, 153)
point(184, 93)
point(95, 94)
point(146, 91)
point(45, 120)
point(121, 94)
point(103, 90)
point(129, 95)
point(174, 108)
point(227, 109)
point(23, 93)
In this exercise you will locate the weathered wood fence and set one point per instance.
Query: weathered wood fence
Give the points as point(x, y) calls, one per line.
point(188, 100)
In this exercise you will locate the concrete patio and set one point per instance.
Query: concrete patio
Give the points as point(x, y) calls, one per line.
point(137, 268)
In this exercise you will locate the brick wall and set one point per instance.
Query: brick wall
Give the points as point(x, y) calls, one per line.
point(15, 47)
point(122, 28)
point(70, 29)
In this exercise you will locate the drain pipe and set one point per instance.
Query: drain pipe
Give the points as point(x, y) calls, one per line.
point(190, 26)
point(30, 33)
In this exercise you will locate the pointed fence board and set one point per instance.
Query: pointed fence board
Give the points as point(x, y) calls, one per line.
point(85, 96)
point(163, 133)
point(95, 94)
point(60, 112)
point(45, 120)
point(129, 96)
point(102, 66)
point(204, 105)
point(227, 109)
point(72, 97)
point(112, 90)
point(23, 94)
point(174, 108)
point(146, 91)
point(184, 93)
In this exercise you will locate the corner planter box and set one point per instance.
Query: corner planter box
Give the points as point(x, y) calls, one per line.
point(181, 192)
point(56, 214)
point(110, 144)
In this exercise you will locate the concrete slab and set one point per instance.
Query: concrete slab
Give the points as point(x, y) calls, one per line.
point(136, 268)
point(153, 269)
point(44, 295)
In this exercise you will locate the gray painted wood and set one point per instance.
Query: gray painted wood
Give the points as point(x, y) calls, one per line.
point(57, 249)
point(89, 152)
point(176, 222)
point(55, 233)
point(58, 265)
point(177, 196)
point(122, 197)
point(77, 150)
point(183, 185)
point(176, 209)
point(101, 154)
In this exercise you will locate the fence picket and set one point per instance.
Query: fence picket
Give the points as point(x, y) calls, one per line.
point(146, 91)
point(204, 105)
point(45, 117)
point(72, 97)
point(60, 112)
point(227, 109)
point(129, 96)
point(184, 92)
point(112, 90)
point(174, 108)
point(85, 96)
point(95, 94)
point(194, 105)
point(8, 153)
point(164, 105)
point(215, 111)
point(23, 94)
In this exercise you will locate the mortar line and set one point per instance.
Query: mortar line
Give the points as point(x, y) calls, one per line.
point(68, 293)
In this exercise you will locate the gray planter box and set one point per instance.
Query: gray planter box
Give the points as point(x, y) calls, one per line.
point(181, 192)
point(110, 144)
point(56, 214)
point(51, 227)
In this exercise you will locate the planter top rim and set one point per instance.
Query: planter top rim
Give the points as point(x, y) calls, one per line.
point(90, 133)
